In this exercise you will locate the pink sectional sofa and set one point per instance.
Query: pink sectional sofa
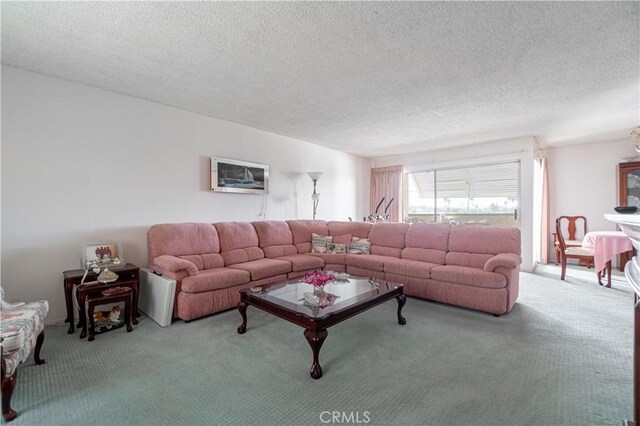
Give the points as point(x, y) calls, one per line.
point(469, 266)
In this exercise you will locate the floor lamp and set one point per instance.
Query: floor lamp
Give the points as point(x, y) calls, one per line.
point(315, 196)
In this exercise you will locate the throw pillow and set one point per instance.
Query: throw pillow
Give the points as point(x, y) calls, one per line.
point(359, 246)
point(343, 239)
point(319, 243)
point(336, 248)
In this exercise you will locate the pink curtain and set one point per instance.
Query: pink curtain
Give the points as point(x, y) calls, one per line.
point(387, 182)
point(544, 225)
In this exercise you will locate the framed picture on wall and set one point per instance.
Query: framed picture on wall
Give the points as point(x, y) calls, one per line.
point(229, 175)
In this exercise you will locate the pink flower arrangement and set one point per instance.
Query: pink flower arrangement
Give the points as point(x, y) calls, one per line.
point(317, 278)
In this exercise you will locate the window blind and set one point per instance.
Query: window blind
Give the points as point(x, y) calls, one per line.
point(486, 181)
point(484, 189)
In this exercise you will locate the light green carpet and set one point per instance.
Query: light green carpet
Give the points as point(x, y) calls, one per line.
point(563, 356)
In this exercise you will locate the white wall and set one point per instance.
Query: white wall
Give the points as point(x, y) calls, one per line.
point(521, 149)
point(81, 164)
point(583, 182)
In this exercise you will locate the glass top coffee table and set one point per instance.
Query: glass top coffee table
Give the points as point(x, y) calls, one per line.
point(316, 310)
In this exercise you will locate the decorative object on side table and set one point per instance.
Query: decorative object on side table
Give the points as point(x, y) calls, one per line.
point(99, 257)
point(107, 276)
point(315, 197)
point(102, 254)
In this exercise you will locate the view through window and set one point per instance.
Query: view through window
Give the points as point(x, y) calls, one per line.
point(483, 194)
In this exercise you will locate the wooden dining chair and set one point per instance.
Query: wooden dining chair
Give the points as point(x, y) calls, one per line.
point(566, 252)
point(572, 240)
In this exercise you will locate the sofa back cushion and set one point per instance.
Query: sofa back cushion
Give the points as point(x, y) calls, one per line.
point(275, 238)
point(427, 242)
point(205, 261)
point(428, 236)
point(484, 239)
point(355, 229)
point(182, 239)
point(359, 246)
point(471, 245)
point(301, 231)
point(387, 239)
point(238, 242)
point(319, 243)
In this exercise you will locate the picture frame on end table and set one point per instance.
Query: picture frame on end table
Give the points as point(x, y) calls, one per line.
point(106, 253)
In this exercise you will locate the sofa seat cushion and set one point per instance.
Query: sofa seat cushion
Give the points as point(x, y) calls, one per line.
point(303, 262)
point(468, 276)
point(264, 268)
point(372, 262)
point(214, 279)
point(409, 268)
point(331, 258)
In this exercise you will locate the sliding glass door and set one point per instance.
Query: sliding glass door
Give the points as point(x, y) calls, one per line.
point(486, 194)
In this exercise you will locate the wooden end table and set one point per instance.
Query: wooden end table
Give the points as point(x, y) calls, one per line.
point(117, 295)
point(128, 276)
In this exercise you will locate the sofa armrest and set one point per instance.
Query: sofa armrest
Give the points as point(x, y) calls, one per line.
point(503, 260)
point(175, 264)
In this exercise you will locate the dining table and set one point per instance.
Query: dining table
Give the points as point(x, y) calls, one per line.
point(606, 245)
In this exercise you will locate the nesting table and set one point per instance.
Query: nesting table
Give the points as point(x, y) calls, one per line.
point(128, 276)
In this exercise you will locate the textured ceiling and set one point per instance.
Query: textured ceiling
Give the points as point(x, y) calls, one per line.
point(374, 79)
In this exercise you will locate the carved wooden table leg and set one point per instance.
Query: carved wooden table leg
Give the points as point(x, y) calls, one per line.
point(36, 353)
point(79, 323)
point(128, 314)
point(92, 323)
point(82, 314)
point(315, 339)
point(68, 300)
point(136, 313)
point(402, 299)
point(8, 384)
point(242, 308)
